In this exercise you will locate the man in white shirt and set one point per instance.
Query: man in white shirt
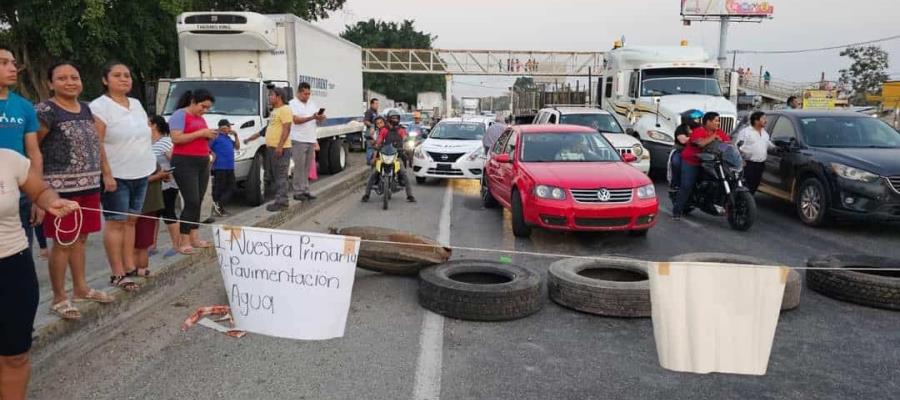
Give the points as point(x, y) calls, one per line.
point(754, 149)
point(303, 139)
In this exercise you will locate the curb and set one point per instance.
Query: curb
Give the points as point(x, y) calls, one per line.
point(49, 328)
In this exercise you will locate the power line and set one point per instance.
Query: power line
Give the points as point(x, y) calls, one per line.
point(815, 49)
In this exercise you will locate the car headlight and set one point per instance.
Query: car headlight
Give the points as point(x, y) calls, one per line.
point(646, 192)
point(637, 150)
point(476, 154)
point(420, 154)
point(549, 192)
point(853, 174)
point(657, 135)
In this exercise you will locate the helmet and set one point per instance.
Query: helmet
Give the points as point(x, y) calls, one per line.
point(393, 117)
point(691, 117)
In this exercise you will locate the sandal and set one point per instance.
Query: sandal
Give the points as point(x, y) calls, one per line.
point(138, 274)
point(122, 282)
point(95, 296)
point(65, 310)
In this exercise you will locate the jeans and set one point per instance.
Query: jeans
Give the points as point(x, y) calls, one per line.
point(303, 154)
point(753, 172)
point(128, 198)
point(370, 152)
point(675, 166)
point(223, 186)
point(192, 176)
point(689, 175)
point(279, 167)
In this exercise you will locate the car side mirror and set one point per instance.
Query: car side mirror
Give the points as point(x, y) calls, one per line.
point(782, 144)
point(629, 158)
point(502, 158)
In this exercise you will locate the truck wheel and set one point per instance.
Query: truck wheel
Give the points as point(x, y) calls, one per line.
point(337, 156)
point(324, 159)
point(614, 287)
point(253, 188)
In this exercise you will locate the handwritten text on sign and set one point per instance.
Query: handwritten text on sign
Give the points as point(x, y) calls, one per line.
point(288, 284)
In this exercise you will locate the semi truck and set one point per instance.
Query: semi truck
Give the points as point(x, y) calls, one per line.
point(648, 87)
point(237, 56)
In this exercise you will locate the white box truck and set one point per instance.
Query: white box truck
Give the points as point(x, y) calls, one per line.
point(648, 88)
point(237, 55)
point(430, 102)
point(471, 105)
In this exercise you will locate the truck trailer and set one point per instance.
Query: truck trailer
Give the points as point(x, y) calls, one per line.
point(237, 56)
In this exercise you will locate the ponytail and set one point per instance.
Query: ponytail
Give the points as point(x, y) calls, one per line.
point(194, 96)
point(184, 100)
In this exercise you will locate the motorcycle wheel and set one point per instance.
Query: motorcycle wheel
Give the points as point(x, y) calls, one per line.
point(386, 197)
point(742, 214)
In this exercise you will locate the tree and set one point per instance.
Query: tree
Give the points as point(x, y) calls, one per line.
point(89, 33)
point(381, 34)
point(524, 83)
point(867, 72)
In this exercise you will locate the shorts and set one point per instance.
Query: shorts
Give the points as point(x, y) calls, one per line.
point(18, 303)
point(145, 230)
point(90, 221)
point(128, 198)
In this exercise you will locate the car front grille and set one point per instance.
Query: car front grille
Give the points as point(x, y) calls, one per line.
point(625, 150)
point(594, 195)
point(727, 124)
point(601, 222)
point(445, 172)
point(894, 183)
point(445, 157)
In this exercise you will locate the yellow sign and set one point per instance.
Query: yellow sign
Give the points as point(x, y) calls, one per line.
point(819, 99)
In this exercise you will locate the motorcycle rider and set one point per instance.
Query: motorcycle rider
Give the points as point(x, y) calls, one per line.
point(690, 120)
point(700, 138)
point(393, 134)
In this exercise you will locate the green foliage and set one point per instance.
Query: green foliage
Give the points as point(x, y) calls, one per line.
point(381, 34)
point(138, 33)
point(867, 71)
point(524, 83)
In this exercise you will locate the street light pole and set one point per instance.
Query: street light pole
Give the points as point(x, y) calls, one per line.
point(723, 42)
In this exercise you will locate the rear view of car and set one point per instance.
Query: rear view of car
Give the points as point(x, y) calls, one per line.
point(453, 149)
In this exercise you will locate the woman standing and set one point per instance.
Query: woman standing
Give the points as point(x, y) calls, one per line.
point(190, 158)
point(18, 281)
point(162, 149)
point(122, 125)
point(70, 147)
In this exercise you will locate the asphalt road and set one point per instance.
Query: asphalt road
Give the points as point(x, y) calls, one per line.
point(393, 349)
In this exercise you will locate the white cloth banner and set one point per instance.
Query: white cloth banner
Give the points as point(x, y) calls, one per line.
point(294, 285)
point(711, 317)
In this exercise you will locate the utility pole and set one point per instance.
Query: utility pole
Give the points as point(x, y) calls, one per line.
point(723, 42)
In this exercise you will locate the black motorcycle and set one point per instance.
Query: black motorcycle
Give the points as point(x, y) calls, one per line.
point(720, 191)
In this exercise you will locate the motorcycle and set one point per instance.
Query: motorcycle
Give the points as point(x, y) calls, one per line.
point(388, 166)
point(720, 191)
point(413, 139)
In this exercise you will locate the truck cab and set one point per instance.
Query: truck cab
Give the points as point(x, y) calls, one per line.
point(237, 56)
point(647, 88)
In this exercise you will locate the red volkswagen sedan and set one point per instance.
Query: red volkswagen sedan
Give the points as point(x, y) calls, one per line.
point(566, 177)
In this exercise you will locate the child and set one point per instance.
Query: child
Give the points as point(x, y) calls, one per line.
point(223, 148)
point(147, 227)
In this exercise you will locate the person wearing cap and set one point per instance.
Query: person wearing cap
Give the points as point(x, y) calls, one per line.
point(223, 147)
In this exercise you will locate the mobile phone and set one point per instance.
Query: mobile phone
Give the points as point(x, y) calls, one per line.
point(321, 111)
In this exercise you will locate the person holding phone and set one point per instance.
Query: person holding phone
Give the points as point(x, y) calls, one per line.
point(306, 116)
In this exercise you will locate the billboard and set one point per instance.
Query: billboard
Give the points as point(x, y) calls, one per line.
point(819, 99)
point(735, 8)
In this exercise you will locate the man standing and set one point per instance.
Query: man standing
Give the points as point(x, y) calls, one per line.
point(793, 103)
point(223, 148)
point(754, 149)
point(303, 138)
point(278, 147)
point(369, 120)
point(18, 132)
point(767, 77)
point(493, 133)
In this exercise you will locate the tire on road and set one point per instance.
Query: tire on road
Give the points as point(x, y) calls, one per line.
point(613, 287)
point(480, 290)
point(393, 251)
point(792, 288)
point(391, 267)
point(871, 288)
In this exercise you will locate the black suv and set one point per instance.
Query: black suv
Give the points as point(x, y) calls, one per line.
point(834, 163)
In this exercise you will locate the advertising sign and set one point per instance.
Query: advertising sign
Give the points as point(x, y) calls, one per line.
point(735, 8)
point(819, 99)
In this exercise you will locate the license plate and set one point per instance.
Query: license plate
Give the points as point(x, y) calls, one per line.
point(444, 167)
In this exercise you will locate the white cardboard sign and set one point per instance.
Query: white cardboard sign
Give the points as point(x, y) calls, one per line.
point(288, 284)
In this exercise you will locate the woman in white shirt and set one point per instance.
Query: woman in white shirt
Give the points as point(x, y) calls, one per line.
point(123, 129)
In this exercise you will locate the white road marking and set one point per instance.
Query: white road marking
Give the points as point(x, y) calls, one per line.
point(427, 384)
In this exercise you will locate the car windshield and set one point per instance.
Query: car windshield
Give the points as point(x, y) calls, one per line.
point(858, 132)
point(232, 98)
point(668, 86)
point(601, 122)
point(458, 131)
point(567, 147)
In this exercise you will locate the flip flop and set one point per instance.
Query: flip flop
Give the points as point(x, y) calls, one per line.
point(95, 296)
point(65, 310)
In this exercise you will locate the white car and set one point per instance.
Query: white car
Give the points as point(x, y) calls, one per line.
point(453, 149)
point(602, 121)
